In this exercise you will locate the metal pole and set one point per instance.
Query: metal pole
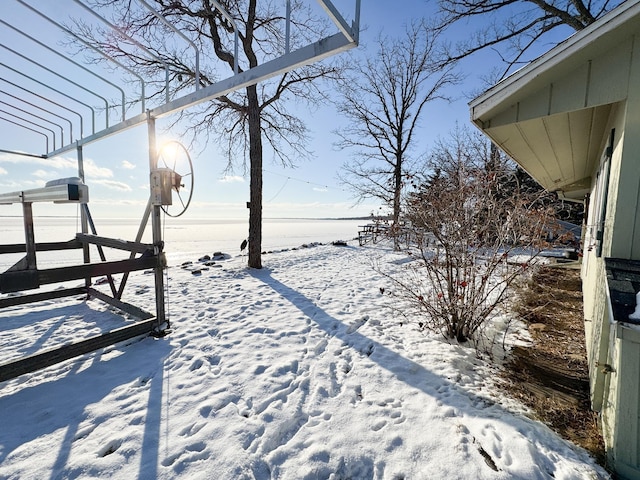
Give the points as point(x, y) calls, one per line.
point(84, 224)
point(30, 242)
point(161, 323)
point(53, 134)
point(97, 50)
point(287, 35)
point(44, 110)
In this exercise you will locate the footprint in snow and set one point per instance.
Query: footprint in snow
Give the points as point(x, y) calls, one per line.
point(84, 432)
point(357, 394)
point(196, 364)
point(193, 452)
point(110, 448)
point(368, 350)
point(492, 437)
point(390, 410)
point(355, 326)
point(191, 429)
point(468, 439)
point(317, 417)
point(378, 425)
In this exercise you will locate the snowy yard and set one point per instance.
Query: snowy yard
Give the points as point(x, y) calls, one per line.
point(296, 371)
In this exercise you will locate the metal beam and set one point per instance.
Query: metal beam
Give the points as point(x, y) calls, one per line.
point(40, 297)
point(107, 132)
point(39, 118)
point(304, 56)
point(33, 105)
point(132, 40)
point(339, 20)
point(64, 193)
point(97, 50)
point(80, 66)
point(30, 155)
point(41, 247)
point(53, 356)
point(135, 247)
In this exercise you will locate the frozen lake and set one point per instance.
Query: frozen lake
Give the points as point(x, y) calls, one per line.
point(185, 239)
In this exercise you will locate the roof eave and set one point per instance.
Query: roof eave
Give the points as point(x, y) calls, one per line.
point(499, 95)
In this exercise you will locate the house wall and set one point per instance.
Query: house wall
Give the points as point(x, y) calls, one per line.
point(626, 241)
point(625, 397)
point(596, 314)
point(622, 399)
point(613, 348)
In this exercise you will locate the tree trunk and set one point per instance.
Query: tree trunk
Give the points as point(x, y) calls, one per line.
point(255, 185)
point(397, 191)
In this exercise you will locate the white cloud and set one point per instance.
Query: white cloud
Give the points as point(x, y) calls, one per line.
point(13, 158)
point(231, 179)
point(60, 163)
point(43, 174)
point(3, 171)
point(320, 189)
point(13, 185)
point(127, 165)
point(93, 170)
point(113, 185)
point(10, 185)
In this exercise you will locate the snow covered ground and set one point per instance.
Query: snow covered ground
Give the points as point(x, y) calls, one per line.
point(296, 371)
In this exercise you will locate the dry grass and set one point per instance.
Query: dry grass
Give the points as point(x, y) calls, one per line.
point(551, 375)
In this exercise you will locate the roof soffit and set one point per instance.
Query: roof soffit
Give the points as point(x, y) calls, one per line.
point(560, 151)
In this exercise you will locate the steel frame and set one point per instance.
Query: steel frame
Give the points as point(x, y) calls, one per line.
point(25, 273)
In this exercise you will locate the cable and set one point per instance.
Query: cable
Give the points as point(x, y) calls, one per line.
point(278, 192)
point(298, 179)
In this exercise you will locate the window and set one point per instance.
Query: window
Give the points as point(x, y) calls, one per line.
point(602, 193)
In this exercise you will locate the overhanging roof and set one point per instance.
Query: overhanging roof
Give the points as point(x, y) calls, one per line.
point(551, 116)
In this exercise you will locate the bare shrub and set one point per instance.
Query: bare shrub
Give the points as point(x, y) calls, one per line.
point(476, 233)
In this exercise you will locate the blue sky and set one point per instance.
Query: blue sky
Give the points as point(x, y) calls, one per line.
point(117, 167)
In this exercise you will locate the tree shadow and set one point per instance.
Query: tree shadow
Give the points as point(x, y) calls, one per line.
point(411, 373)
point(404, 369)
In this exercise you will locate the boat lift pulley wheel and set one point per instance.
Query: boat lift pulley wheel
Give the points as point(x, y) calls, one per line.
point(175, 157)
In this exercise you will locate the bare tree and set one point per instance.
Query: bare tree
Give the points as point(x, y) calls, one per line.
point(467, 232)
point(238, 121)
point(384, 100)
point(513, 27)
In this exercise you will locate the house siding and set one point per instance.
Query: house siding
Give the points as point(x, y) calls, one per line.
point(626, 242)
point(614, 349)
point(598, 321)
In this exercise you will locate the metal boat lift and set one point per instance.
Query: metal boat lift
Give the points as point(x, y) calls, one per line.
point(41, 112)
